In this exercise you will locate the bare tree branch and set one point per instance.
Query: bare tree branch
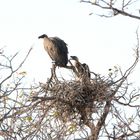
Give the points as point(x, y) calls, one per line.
point(104, 4)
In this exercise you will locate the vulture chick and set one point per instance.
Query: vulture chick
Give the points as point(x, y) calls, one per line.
point(82, 69)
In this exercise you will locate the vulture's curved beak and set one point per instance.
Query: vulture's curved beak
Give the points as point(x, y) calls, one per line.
point(73, 58)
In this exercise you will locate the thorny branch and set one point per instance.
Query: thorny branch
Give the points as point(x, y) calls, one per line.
point(10, 88)
point(10, 66)
point(112, 5)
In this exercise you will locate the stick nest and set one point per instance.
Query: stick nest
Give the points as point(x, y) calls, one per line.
point(75, 99)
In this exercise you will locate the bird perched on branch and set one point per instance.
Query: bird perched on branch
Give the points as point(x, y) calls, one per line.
point(56, 49)
point(82, 70)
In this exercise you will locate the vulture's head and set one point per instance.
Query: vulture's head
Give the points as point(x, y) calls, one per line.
point(74, 58)
point(43, 36)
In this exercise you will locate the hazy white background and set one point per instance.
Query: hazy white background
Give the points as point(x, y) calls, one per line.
point(99, 42)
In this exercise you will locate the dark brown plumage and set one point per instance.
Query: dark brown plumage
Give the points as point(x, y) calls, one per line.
point(56, 49)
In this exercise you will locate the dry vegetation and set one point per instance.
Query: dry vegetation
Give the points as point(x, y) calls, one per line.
point(62, 109)
point(72, 105)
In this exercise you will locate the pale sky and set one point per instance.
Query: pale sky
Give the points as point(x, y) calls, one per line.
point(99, 42)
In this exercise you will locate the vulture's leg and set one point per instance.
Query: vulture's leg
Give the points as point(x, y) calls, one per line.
point(53, 75)
point(49, 80)
point(53, 71)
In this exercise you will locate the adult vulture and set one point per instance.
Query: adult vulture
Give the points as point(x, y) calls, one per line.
point(56, 49)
